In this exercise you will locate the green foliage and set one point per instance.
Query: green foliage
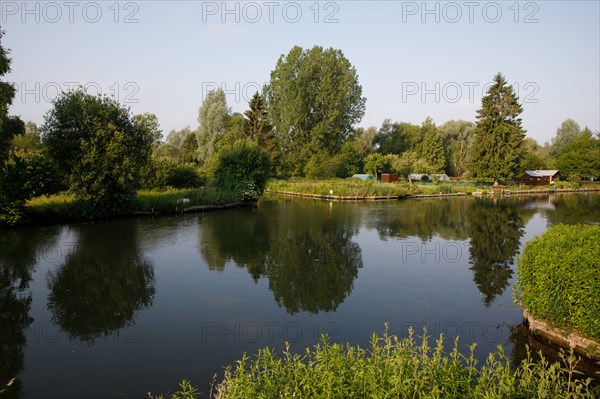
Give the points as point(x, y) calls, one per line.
point(100, 148)
point(558, 278)
point(162, 172)
point(342, 187)
point(181, 146)
point(376, 163)
point(458, 137)
point(186, 391)
point(566, 134)
point(432, 147)
point(323, 166)
point(30, 140)
point(12, 192)
point(242, 168)
point(396, 368)
point(396, 138)
point(212, 117)
point(581, 158)
point(536, 157)
point(497, 149)
point(314, 99)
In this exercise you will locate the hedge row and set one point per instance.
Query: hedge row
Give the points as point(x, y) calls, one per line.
point(559, 278)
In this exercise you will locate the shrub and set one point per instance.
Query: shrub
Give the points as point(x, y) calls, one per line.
point(242, 168)
point(394, 368)
point(558, 278)
point(184, 176)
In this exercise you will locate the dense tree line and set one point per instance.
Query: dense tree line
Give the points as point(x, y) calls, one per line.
point(302, 124)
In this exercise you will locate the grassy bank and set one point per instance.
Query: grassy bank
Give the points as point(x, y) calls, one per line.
point(62, 208)
point(393, 368)
point(360, 188)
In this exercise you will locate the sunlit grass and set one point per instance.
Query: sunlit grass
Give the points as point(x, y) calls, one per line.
point(64, 207)
point(395, 368)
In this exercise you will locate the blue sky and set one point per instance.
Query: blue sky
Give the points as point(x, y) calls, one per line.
point(414, 59)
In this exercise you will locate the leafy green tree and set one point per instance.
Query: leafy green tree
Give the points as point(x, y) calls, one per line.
point(100, 149)
point(212, 117)
point(458, 136)
point(581, 158)
point(242, 168)
point(497, 149)
point(377, 163)
point(364, 140)
point(432, 147)
point(566, 134)
point(536, 157)
point(180, 146)
point(30, 140)
point(12, 193)
point(257, 125)
point(397, 137)
point(314, 99)
point(234, 129)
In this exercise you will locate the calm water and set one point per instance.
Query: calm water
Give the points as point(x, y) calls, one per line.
point(120, 308)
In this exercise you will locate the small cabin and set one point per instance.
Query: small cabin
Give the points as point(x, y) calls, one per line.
point(363, 177)
point(540, 177)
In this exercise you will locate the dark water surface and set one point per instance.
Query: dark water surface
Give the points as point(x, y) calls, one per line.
point(117, 309)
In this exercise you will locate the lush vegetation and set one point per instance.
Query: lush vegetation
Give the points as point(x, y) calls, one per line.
point(558, 278)
point(393, 368)
point(497, 149)
point(242, 168)
point(94, 149)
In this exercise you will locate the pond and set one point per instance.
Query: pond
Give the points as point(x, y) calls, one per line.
point(119, 308)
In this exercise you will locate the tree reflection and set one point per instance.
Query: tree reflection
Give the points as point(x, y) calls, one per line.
point(102, 283)
point(573, 209)
point(423, 218)
point(19, 254)
point(495, 228)
point(306, 254)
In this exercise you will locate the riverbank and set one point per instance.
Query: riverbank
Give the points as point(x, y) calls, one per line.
point(64, 208)
point(358, 190)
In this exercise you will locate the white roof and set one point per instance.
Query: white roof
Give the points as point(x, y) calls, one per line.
point(541, 173)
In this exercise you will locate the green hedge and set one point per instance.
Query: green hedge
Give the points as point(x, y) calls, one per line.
point(559, 278)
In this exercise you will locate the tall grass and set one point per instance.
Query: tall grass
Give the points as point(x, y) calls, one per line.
point(342, 187)
point(396, 368)
point(174, 200)
point(60, 208)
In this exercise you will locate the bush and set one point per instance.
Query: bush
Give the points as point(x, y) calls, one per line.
point(558, 278)
point(242, 168)
point(162, 172)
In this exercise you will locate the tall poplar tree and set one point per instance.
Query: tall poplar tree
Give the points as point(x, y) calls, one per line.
point(498, 148)
point(212, 116)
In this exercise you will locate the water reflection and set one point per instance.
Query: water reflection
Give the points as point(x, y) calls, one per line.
point(573, 209)
point(305, 250)
point(495, 228)
point(103, 282)
point(423, 219)
point(20, 251)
